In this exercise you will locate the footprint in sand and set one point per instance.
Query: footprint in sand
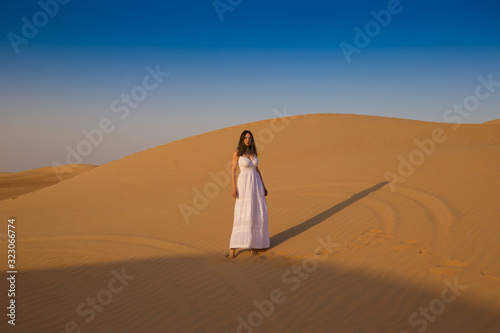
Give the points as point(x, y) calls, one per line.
point(449, 267)
point(284, 263)
point(409, 244)
point(368, 237)
point(281, 259)
point(427, 252)
point(322, 252)
point(491, 275)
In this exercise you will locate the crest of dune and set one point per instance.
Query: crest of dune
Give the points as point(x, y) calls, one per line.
point(493, 122)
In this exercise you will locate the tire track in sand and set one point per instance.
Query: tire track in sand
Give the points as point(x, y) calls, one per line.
point(439, 215)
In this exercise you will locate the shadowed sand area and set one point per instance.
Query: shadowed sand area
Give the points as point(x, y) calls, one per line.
point(140, 244)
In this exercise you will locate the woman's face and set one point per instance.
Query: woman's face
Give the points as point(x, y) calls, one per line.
point(248, 139)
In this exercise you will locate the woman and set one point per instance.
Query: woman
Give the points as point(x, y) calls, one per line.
point(250, 228)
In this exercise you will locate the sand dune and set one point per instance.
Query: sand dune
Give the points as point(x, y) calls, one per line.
point(14, 184)
point(377, 225)
point(495, 121)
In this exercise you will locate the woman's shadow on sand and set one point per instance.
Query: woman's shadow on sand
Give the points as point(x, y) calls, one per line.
point(300, 228)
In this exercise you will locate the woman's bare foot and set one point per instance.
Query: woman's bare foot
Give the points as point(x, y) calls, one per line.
point(231, 253)
point(254, 252)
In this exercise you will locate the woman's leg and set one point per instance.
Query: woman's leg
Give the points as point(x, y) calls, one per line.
point(231, 253)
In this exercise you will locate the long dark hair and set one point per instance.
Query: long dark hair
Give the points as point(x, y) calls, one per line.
point(241, 144)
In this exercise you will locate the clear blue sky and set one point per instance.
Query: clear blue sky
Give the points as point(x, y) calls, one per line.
point(228, 65)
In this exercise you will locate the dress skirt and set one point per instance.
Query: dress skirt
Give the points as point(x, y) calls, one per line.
point(250, 228)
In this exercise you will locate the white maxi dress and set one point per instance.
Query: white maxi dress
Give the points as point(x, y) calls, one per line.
point(250, 229)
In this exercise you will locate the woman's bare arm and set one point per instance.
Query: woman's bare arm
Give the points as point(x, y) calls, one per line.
point(233, 168)
point(233, 172)
point(257, 168)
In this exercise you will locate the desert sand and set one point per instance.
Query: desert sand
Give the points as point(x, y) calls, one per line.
point(14, 184)
point(494, 121)
point(377, 225)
